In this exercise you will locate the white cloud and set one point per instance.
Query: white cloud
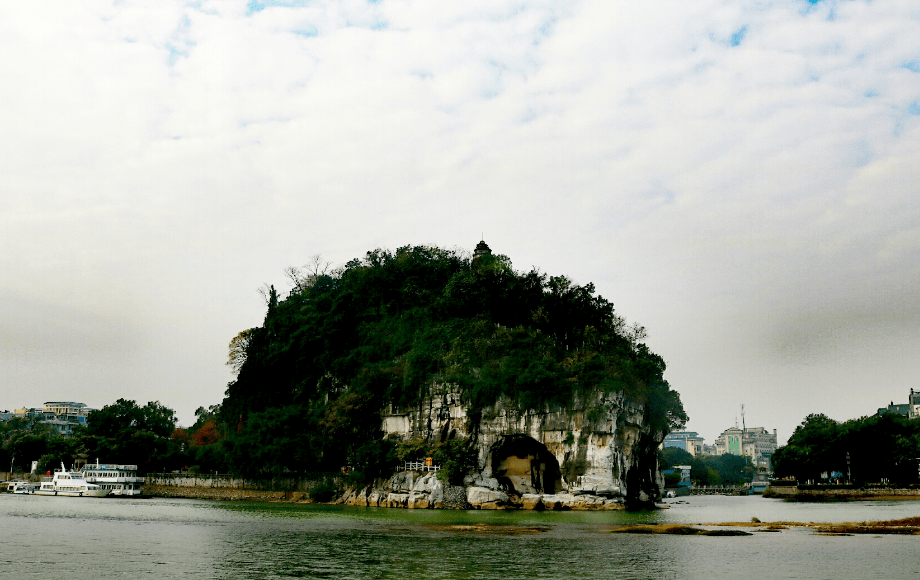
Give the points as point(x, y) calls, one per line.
point(712, 165)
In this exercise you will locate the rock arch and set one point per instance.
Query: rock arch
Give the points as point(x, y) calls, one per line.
point(521, 464)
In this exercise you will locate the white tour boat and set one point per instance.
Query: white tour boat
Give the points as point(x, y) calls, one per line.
point(116, 478)
point(20, 487)
point(69, 483)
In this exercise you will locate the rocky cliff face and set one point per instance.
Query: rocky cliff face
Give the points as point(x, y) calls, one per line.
point(599, 454)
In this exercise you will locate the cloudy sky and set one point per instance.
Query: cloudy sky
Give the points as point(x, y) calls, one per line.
point(739, 177)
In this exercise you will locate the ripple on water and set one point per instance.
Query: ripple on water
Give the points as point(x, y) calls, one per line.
point(190, 538)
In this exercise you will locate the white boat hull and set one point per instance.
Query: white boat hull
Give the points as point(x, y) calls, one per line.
point(87, 493)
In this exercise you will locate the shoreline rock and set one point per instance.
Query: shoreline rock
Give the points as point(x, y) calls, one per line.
point(413, 490)
point(410, 490)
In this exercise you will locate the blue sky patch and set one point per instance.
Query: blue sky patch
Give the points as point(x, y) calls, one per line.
point(306, 32)
point(913, 65)
point(738, 36)
point(180, 45)
point(914, 108)
point(860, 154)
point(260, 5)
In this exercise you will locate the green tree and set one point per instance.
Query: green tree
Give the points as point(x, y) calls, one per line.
point(671, 456)
point(457, 458)
point(703, 474)
point(125, 432)
point(274, 441)
point(23, 440)
point(811, 450)
point(733, 469)
point(865, 450)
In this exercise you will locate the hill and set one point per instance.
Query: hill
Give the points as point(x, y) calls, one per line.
point(386, 333)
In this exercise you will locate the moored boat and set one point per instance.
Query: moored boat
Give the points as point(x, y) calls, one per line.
point(119, 480)
point(20, 486)
point(69, 483)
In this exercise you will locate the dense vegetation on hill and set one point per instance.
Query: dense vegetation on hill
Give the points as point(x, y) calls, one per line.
point(343, 345)
point(865, 450)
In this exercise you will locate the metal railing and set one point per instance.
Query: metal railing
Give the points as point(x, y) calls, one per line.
point(420, 466)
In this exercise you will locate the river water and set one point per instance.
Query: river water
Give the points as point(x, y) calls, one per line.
point(106, 538)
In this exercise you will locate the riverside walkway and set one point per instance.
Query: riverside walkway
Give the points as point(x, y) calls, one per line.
point(720, 490)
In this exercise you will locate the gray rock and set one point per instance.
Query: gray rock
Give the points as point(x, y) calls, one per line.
point(592, 448)
point(480, 497)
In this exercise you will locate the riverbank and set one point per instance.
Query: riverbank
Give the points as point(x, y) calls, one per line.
point(409, 490)
point(406, 489)
point(448, 497)
point(841, 493)
point(225, 494)
point(904, 526)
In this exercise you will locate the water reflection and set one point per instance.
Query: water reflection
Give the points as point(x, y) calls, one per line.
point(193, 539)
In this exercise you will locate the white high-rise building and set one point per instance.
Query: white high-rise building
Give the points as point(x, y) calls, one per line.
point(754, 442)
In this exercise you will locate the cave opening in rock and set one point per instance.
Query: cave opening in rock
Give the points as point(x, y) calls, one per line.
point(522, 465)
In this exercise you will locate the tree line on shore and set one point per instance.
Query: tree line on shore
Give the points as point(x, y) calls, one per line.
point(877, 449)
point(726, 469)
point(123, 432)
point(880, 449)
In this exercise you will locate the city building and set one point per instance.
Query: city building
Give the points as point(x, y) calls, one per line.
point(910, 409)
point(684, 475)
point(62, 416)
point(689, 441)
point(67, 409)
point(902, 409)
point(754, 442)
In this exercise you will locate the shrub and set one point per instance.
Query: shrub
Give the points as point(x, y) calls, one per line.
point(323, 492)
point(671, 479)
point(414, 450)
point(457, 458)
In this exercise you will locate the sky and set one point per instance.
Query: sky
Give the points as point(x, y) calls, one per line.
point(740, 178)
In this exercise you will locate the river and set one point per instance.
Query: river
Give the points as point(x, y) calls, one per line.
point(45, 537)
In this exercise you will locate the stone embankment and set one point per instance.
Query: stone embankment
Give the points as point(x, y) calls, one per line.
point(720, 490)
point(226, 487)
point(223, 493)
point(817, 493)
